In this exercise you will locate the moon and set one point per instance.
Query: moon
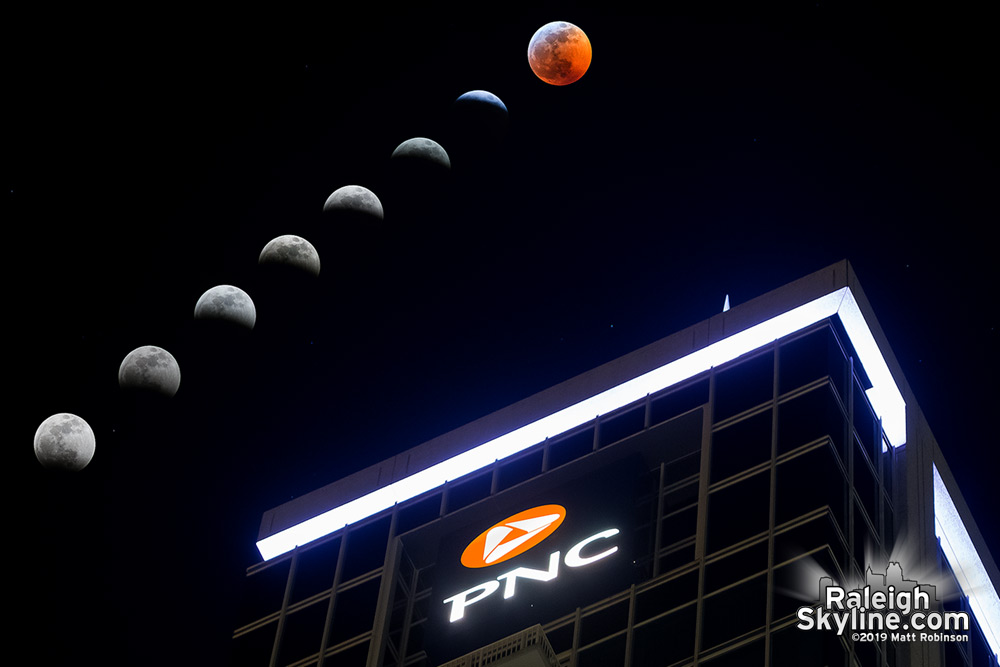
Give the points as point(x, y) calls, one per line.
point(354, 199)
point(422, 150)
point(226, 303)
point(293, 251)
point(479, 115)
point(559, 53)
point(150, 368)
point(482, 98)
point(64, 442)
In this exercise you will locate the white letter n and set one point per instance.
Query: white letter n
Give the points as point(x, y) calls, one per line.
point(527, 573)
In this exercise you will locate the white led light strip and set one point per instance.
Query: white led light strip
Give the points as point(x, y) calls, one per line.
point(966, 564)
point(884, 396)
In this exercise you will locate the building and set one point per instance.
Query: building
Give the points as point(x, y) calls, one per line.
point(676, 506)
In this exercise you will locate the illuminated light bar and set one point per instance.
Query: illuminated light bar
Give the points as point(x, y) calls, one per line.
point(966, 564)
point(884, 396)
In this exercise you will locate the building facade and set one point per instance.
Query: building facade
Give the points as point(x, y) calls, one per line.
point(678, 506)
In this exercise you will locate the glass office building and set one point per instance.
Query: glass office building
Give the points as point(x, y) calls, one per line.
point(677, 506)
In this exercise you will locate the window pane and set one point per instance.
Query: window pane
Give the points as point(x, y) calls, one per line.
point(720, 624)
point(744, 385)
point(738, 511)
point(809, 417)
point(741, 445)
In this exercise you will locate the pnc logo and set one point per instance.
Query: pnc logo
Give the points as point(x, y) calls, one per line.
point(513, 536)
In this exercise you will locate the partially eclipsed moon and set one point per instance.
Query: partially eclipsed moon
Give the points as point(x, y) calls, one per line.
point(227, 303)
point(293, 251)
point(150, 368)
point(422, 149)
point(559, 53)
point(65, 442)
point(354, 199)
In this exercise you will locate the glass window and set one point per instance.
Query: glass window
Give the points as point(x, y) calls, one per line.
point(254, 648)
point(666, 640)
point(415, 514)
point(865, 424)
point(981, 653)
point(468, 491)
point(679, 526)
point(560, 638)
point(610, 652)
point(866, 547)
point(354, 656)
point(808, 417)
point(820, 532)
point(355, 611)
point(744, 385)
point(666, 595)
point(732, 568)
point(748, 655)
point(791, 647)
point(683, 468)
point(676, 401)
point(602, 623)
point(520, 469)
point(621, 425)
point(866, 654)
point(740, 446)
point(738, 511)
point(415, 644)
point(797, 583)
point(720, 624)
point(265, 592)
point(314, 570)
point(953, 655)
point(866, 486)
point(809, 481)
point(303, 632)
point(811, 357)
point(564, 449)
point(366, 548)
point(888, 455)
point(676, 558)
point(680, 497)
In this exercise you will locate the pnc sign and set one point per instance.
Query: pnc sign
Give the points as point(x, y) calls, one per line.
point(516, 535)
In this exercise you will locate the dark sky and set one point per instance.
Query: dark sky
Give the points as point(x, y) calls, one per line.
point(705, 153)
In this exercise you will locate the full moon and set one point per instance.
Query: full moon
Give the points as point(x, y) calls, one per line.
point(226, 303)
point(64, 442)
point(150, 368)
point(559, 53)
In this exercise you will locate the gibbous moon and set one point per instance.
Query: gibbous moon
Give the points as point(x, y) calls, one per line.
point(293, 251)
point(64, 442)
point(354, 199)
point(226, 303)
point(423, 150)
point(559, 53)
point(150, 368)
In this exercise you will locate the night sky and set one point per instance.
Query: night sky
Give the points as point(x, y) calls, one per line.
point(150, 156)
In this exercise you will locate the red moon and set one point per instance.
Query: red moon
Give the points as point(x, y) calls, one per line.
point(559, 53)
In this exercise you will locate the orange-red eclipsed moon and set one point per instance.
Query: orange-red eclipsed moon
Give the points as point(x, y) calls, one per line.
point(559, 53)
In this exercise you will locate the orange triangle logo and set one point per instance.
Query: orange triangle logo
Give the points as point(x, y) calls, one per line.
point(513, 536)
